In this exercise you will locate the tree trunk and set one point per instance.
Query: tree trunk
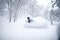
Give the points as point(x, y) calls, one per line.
point(51, 21)
point(10, 17)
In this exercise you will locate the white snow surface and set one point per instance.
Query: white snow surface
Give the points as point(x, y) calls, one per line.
point(18, 31)
point(38, 22)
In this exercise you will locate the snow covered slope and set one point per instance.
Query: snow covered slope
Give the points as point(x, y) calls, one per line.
point(17, 31)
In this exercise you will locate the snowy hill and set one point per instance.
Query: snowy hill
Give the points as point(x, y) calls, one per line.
point(18, 31)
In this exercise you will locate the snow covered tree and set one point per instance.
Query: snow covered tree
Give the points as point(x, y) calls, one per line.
point(55, 11)
point(14, 6)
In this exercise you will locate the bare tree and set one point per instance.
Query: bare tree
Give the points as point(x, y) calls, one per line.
point(51, 13)
point(9, 8)
point(55, 13)
point(16, 10)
